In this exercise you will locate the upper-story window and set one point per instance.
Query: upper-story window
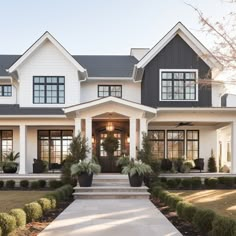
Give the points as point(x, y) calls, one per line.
point(110, 90)
point(178, 85)
point(49, 89)
point(5, 90)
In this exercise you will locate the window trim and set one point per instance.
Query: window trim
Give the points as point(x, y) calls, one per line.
point(9, 130)
point(5, 85)
point(178, 70)
point(159, 140)
point(109, 86)
point(45, 91)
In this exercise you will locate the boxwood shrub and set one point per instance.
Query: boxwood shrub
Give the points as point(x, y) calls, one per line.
point(179, 208)
point(156, 191)
point(7, 223)
point(227, 181)
point(55, 184)
point(173, 200)
point(42, 183)
point(34, 185)
point(10, 184)
point(1, 184)
point(223, 226)
point(24, 183)
point(196, 182)
point(19, 215)
point(203, 219)
point(45, 204)
point(33, 211)
point(211, 182)
point(172, 183)
point(186, 183)
point(188, 212)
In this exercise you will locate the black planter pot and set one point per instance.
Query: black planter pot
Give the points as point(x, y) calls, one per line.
point(135, 180)
point(9, 169)
point(85, 180)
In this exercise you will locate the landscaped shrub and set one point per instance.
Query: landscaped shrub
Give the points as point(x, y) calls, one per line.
point(172, 183)
point(211, 182)
point(156, 191)
point(45, 204)
point(52, 199)
point(19, 215)
point(227, 181)
point(1, 184)
point(10, 184)
point(163, 195)
point(24, 183)
point(55, 184)
point(221, 180)
point(203, 219)
point(186, 183)
point(196, 182)
point(188, 212)
point(164, 179)
point(7, 223)
point(223, 226)
point(179, 208)
point(34, 185)
point(212, 163)
point(42, 183)
point(0, 231)
point(33, 211)
point(173, 200)
point(166, 164)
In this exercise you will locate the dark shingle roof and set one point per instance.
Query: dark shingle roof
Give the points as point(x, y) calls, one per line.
point(97, 66)
point(10, 109)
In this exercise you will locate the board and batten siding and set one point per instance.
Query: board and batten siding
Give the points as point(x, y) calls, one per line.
point(47, 60)
point(177, 54)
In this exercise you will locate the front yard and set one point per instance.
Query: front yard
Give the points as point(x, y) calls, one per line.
point(17, 199)
point(223, 202)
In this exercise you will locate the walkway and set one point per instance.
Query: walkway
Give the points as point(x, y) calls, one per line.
point(111, 217)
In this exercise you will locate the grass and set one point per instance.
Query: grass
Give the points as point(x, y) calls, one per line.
point(17, 199)
point(221, 201)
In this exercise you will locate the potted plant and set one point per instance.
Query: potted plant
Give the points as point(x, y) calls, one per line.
point(123, 161)
point(9, 165)
point(84, 170)
point(136, 171)
point(40, 166)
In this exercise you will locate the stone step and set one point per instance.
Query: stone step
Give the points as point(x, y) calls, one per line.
point(115, 189)
point(111, 195)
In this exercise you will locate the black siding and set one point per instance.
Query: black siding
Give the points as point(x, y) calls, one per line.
point(175, 55)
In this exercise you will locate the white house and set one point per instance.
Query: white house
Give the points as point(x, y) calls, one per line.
point(48, 95)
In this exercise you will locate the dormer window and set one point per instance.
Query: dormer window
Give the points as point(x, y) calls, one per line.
point(5, 90)
point(110, 90)
point(178, 85)
point(49, 89)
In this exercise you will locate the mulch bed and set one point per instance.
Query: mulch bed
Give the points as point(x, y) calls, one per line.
point(34, 228)
point(185, 228)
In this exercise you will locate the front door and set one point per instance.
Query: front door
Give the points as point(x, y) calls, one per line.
point(108, 164)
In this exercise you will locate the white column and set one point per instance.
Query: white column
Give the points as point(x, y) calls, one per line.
point(143, 129)
point(233, 147)
point(77, 126)
point(23, 150)
point(88, 135)
point(132, 135)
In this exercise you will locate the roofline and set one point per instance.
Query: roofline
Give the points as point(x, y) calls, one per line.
point(38, 42)
point(33, 116)
point(109, 99)
point(199, 109)
point(189, 38)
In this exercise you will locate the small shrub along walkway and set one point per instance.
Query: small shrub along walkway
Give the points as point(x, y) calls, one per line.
point(204, 221)
point(43, 210)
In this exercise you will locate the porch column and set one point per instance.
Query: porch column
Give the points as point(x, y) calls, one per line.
point(132, 135)
point(143, 129)
point(88, 135)
point(77, 126)
point(233, 147)
point(23, 151)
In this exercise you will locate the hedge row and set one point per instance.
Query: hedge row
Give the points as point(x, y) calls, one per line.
point(196, 183)
point(33, 211)
point(26, 184)
point(205, 220)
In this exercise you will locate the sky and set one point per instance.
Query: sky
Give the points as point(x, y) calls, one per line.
point(101, 27)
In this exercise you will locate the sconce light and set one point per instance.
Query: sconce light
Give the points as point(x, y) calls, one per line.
point(128, 139)
point(93, 140)
point(110, 126)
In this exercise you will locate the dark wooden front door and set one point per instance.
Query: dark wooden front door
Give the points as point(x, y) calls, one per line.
point(108, 164)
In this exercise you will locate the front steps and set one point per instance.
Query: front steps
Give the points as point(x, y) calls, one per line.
point(111, 186)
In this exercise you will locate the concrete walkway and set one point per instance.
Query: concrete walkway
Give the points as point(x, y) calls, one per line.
point(111, 217)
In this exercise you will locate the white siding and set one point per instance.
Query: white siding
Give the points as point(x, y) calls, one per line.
point(9, 100)
point(130, 91)
point(48, 60)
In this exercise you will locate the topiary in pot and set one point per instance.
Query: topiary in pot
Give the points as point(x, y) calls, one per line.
point(84, 170)
point(9, 165)
point(212, 163)
point(136, 171)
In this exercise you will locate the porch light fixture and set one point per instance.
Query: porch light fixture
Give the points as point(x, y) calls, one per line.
point(93, 140)
point(128, 139)
point(110, 127)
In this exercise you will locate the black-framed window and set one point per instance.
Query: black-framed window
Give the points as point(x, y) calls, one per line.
point(5, 90)
point(110, 90)
point(49, 89)
point(157, 140)
point(177, 85)
point(175, 144)
point(192, 144)
point(53, 145)
point(6, 143)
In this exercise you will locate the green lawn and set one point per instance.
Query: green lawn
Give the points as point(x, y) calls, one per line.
point(222, 202)
point(17, 199)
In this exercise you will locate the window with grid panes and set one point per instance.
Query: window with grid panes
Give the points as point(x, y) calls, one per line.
point(157, 140)
point(5, 90)
point(110, 90)
point(6, 143)
point(192, 144)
